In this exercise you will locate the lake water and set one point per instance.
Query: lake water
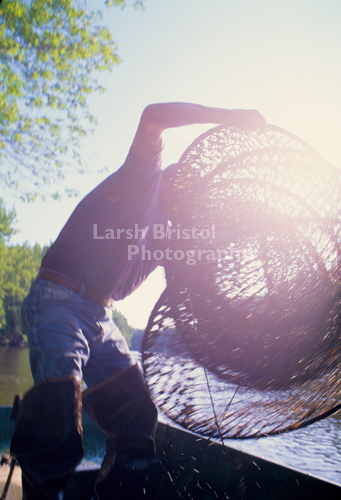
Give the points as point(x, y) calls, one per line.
point(15, 374)
point(315, 449)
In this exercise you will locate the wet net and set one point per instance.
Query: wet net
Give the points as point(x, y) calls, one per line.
point(245, 339)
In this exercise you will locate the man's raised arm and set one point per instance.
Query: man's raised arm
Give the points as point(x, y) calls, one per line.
point(156, 118)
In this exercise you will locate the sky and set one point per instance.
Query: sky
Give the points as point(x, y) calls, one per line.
point(281, 57)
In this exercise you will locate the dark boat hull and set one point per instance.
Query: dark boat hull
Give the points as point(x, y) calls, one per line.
point(194, 468)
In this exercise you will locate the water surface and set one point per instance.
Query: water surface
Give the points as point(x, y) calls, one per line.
point(315, 449)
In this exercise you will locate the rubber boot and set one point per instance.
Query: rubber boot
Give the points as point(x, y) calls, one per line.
point(47, 440)
point(122, 408)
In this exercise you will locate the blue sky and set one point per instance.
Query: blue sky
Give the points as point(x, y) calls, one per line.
point(281, 57)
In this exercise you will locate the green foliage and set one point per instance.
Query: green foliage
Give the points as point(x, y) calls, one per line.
point(7, 218)
point(19, 266)
point(133, 336)
point(50, 52)
point(122, 324)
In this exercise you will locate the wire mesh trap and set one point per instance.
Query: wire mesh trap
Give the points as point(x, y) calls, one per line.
point(245, 340)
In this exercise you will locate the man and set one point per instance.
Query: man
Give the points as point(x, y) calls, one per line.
point(69, 324)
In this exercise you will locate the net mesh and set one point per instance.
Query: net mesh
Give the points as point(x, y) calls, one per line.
point(245, 339)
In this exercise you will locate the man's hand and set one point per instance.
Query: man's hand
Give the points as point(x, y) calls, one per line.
point(245, 119)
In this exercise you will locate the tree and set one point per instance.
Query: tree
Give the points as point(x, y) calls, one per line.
point(133, 336)
point(122, 324)
point(19, 269)
point(7, 218)
point(50, 52)
point(19, 266)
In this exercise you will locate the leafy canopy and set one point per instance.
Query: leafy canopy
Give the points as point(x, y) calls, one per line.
point(7, 218)
point(50, 53)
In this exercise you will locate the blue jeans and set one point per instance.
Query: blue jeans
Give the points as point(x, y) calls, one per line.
point(71, 335)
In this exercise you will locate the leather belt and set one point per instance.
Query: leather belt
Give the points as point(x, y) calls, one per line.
point(72, 284)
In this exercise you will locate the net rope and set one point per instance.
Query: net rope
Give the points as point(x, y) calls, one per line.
point(245, 339)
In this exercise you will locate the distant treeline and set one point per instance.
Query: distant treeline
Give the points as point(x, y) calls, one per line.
point(18, 267)
point(133, 336)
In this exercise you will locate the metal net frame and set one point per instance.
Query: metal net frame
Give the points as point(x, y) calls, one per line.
point(245, 339)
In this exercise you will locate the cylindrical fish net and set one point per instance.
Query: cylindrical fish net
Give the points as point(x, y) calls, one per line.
point(245, 339)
